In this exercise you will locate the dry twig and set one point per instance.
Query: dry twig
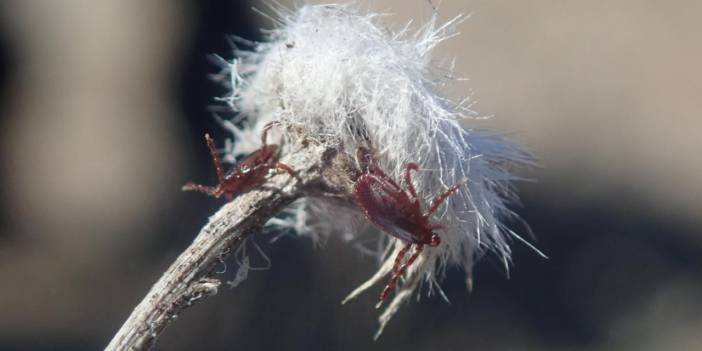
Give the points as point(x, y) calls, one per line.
point(320, 171)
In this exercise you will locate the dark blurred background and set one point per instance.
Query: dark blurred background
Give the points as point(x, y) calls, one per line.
point(103, 105)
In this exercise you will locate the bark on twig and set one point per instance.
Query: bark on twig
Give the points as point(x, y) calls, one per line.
point(320, 171)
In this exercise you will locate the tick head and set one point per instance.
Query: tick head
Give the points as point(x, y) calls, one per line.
point(435, 240)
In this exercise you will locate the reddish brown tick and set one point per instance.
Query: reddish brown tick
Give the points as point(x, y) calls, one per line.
point(244, 176)
point(398, 213)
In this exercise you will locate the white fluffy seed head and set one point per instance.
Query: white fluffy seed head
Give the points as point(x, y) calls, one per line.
point(349, 80)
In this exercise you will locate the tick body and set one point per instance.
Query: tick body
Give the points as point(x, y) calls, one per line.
point(248, 174)
point(398, 212)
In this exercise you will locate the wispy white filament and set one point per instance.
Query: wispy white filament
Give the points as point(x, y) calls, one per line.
point(348, 80)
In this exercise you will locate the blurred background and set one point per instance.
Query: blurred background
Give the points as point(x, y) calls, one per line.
point(103, 105)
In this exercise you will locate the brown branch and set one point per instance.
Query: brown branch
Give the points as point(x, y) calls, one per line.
point(319, 171)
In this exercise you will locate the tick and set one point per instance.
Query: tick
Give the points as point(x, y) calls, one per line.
point(248, 174)
point(398, 212)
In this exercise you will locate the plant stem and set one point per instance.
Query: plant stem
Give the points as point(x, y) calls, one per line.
point(190, 278)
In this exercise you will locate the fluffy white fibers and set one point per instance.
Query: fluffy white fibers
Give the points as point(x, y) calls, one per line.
point(348, 80)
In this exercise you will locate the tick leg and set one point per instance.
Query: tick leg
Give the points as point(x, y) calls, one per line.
point(284, 167)
point(397, 269)
point(400, 257)
point(408, 178)
point(215, 159)
point(439, 199)
point(364, 159)
point(264, 134)
point(209, 190)
point(417, 252)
